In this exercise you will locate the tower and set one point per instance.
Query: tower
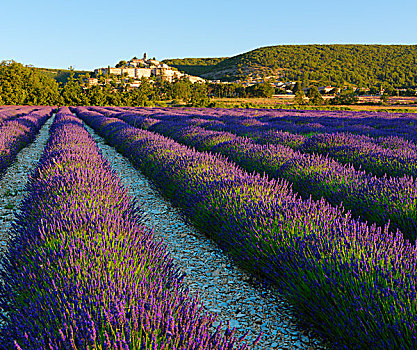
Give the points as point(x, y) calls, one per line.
point(144, 57)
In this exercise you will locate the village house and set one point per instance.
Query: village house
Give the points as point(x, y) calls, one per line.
point(91, 81)
point(146, 68)
point(325, 89)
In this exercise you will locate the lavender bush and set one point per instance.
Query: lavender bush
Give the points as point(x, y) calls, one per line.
point(376, 200)
point(17, 133)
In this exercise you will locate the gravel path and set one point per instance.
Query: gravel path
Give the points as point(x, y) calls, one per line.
point(13, 182)
point(223, 288)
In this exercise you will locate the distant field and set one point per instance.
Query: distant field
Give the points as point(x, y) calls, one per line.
point(400, 104)
point(391, 108)
point(273, 101)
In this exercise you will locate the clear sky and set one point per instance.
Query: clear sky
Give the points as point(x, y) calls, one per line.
point(88, 34)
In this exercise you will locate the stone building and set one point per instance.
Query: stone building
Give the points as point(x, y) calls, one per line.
point(145, 68)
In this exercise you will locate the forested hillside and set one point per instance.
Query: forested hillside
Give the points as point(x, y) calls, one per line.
point(362, 65)
point(60, 75)
point(195, 66)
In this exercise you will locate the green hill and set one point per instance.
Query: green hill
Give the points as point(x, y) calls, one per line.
point(194, 66)
point(361, 65)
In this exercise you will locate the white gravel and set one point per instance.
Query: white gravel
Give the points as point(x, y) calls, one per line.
point(223, 288)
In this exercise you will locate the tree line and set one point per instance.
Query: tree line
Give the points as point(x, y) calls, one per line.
point(23, 85)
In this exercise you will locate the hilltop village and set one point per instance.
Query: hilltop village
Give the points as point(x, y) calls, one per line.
point(138, 68)
point(132, 71)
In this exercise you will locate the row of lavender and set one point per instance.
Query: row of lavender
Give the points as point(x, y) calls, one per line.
point(374, 124)
point(391, 154)
point(377, 200)
point(353, 283)
point(16, 133)
point(13, 112)
point(82, 273)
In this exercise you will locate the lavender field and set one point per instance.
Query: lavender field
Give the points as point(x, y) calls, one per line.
point(319, 205)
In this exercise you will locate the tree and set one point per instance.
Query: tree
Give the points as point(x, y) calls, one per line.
point(121, 63)
point(347, 97)
point(96, 96)
point(181, 89)
point(389, 90)
point(374, 90)
point(72, 92)
point(297, 88)
point(384, 98)
point(20, 85)
point(314, 95)
point(113, 96)
point(299, 98)
point(410, 92)
point(163, 89)
point(199, 95)
point(143, 95)
point(263, 89)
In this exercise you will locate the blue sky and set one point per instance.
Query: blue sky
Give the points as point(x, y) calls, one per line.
point(90, 34)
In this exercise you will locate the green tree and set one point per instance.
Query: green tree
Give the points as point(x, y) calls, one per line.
point(143, 95)
point(113, 95)
point(121, 63)
point(299, 98)
point(96, 96)
point(410, 92)
point(199, 95)
point(374, 90)
point(389, 90)
point(72, 93)
point(297, 88)
point(314, 96)
point(23, 85)
point(384, 98)
point(345, 98)
point(181, 89)
point(163, 89)
point(263, 89)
